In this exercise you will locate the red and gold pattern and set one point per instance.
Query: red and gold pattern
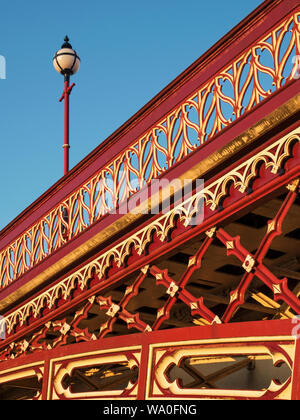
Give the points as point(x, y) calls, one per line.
point(176, 291)
point(160, 385)
point(227, 96)
point(152, 356)
point(62, 368)
point(152, 315)
point(26, 371)
point(273, 157)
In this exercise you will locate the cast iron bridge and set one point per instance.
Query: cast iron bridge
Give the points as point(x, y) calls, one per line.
point(199, 299)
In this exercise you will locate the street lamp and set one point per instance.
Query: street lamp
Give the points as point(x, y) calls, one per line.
point(66, 62)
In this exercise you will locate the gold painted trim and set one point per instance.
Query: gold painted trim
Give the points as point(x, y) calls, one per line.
point(198, 171)
point(234, 340)
point(221, 155)
point(241, 175)
point(96, 353)
point(40, 364)
point(54, 361)
point(224, 340)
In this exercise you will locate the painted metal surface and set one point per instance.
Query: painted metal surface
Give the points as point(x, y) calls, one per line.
point(249, 103)
point(154, 353)
point(252, 77)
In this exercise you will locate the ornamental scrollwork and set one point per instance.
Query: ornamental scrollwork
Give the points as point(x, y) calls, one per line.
point(229, 95)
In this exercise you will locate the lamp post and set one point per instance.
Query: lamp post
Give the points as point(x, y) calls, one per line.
point(66, 62)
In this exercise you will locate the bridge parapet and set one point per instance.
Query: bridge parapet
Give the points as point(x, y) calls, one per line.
point(249, 67)
point(198, 299)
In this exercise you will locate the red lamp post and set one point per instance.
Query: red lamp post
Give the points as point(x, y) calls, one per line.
point(66, 62)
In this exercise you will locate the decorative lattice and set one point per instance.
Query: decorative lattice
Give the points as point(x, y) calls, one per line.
point(60, 332)
point(230, 94)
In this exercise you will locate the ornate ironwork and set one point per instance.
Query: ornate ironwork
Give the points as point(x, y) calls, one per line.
point(274, 156)
point(227, 96)
point(253, 265)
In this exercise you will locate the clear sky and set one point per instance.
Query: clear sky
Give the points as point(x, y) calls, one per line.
point(129, 50)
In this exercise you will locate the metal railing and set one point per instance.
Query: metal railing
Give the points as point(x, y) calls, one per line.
point(233, 92)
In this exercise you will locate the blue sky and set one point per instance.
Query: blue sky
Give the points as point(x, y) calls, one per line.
point(129, 50)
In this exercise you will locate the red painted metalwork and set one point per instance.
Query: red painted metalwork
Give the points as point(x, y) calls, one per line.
point(159, 143)
point(271, 335)
point(168, 142)
point(31, 312)
point(66, 146)
point(270, 183)
point(46, 303)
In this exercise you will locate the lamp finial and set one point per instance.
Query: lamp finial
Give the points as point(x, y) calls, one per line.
point(66, 43)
